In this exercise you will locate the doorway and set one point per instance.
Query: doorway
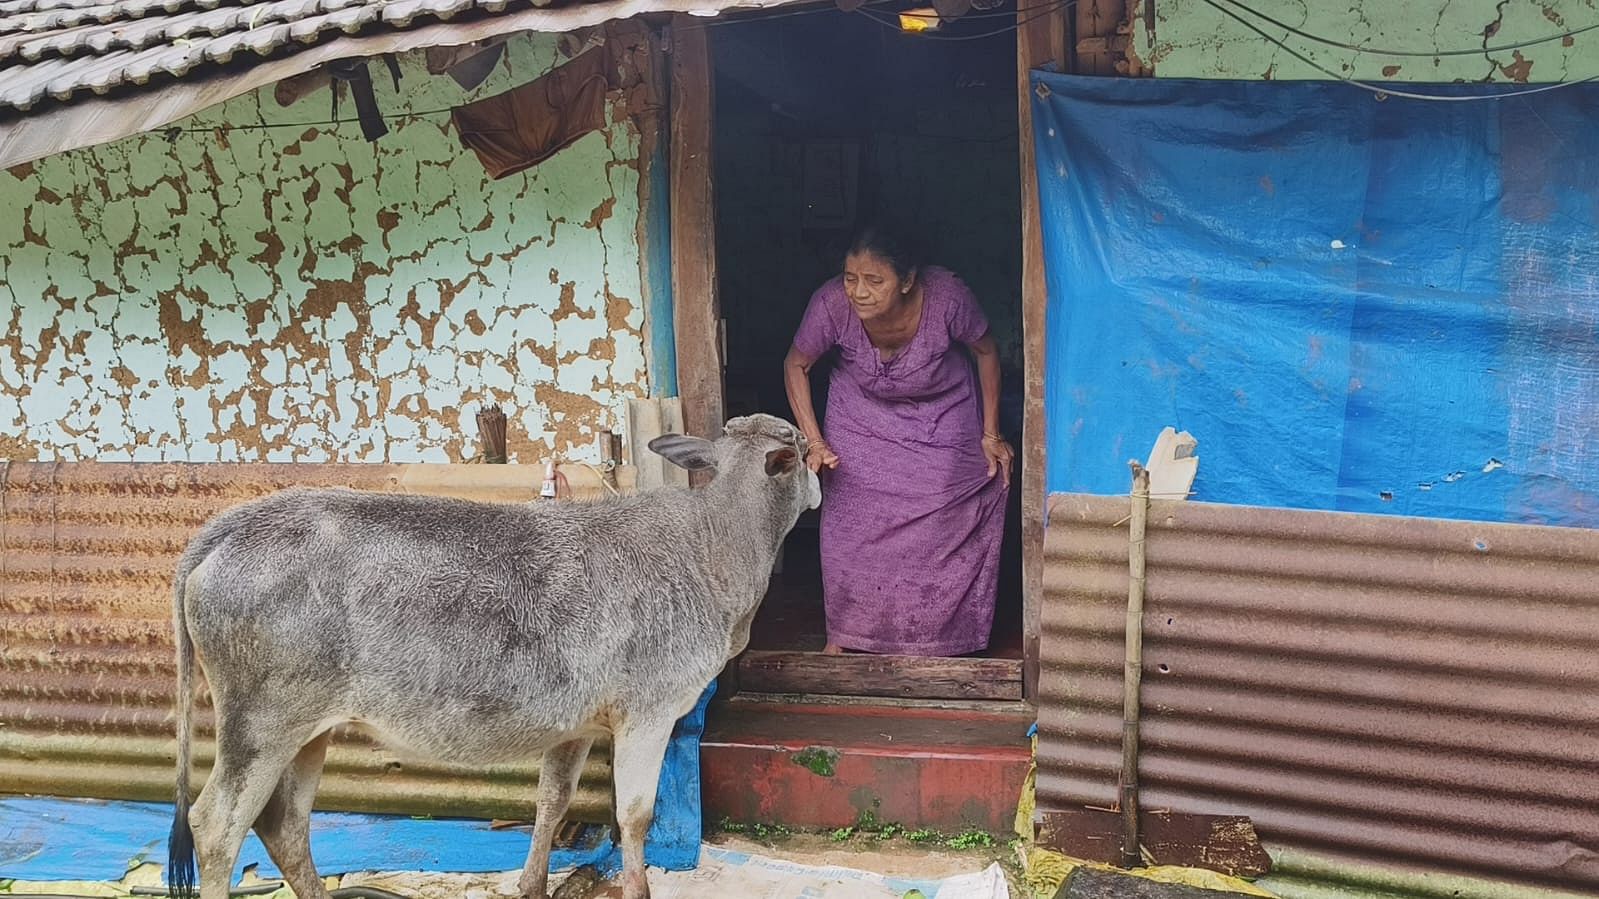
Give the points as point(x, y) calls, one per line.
point(824, 119)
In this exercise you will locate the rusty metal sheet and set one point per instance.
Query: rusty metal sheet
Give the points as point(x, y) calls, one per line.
point(1408, 692)
point(1224, 843)
point(87, 673)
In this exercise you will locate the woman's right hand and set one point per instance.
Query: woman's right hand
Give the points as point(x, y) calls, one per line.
point(819, 455)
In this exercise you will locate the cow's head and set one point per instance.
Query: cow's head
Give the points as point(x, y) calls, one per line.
point(755, 446)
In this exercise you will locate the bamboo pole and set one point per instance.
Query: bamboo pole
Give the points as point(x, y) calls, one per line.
point(1133, 673)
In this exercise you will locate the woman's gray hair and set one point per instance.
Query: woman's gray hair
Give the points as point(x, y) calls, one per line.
point(891, 243)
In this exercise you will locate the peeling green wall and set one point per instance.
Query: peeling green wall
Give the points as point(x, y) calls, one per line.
point(294, 293)
point(1196, 39)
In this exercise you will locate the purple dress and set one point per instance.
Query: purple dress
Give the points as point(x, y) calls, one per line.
point(911, 521)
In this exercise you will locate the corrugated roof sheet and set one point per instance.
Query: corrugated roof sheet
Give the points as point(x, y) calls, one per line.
point(74, 73)
point(59, 49)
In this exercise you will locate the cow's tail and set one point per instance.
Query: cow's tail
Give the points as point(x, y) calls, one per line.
point(180, 845)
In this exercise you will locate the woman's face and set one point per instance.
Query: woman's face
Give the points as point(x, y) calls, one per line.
point(872, 285)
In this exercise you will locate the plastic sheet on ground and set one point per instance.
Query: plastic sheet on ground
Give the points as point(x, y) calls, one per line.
point(722, 872)
point(48, 839)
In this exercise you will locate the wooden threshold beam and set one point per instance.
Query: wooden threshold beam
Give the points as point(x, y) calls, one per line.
point(905, 677)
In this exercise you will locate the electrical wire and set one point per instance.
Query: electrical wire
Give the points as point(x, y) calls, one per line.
point(759, 15)
point(1033, 13)
point(259, 126)
point(1038, 12)
point(1475, 51)
point(996, 14)
point(1387, 91)
point(749, 16)
point(410, 116)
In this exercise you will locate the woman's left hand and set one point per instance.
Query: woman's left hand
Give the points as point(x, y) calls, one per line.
point(999, 455)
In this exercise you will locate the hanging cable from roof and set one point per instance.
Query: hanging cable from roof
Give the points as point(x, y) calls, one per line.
point(1386, 91)
point(1024, 15)
point(1425, 54)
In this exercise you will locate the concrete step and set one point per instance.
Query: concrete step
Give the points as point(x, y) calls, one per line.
point(809, 764)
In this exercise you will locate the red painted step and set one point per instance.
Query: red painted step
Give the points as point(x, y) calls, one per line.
point(825, 766)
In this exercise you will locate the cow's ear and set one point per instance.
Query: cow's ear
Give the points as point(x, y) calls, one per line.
point(781, 461)
point(692, 453)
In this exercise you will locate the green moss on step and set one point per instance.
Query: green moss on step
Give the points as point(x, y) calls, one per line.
point(817, 760)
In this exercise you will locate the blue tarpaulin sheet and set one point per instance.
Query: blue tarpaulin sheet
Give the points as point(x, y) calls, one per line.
point(1358, 304)
point(64, 839)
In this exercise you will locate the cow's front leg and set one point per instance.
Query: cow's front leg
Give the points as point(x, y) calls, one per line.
point(558, 777)
point(636, 759)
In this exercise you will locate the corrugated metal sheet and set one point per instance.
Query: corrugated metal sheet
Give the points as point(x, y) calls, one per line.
point(125, 67)
point(58, 51)
point(1398, 691)
point(87, 675)
point(101, 47)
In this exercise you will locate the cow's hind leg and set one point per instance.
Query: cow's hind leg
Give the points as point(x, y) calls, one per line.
point(284, 826)
point(251, 757)
point(559, 774)
point(640, 748)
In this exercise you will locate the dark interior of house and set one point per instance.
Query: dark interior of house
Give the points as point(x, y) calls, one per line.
point(825, 120)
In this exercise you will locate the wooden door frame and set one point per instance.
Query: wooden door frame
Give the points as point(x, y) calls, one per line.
point(1041, 41)
point(696, 307)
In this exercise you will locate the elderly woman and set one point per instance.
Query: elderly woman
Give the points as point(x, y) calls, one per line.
point(915, 470)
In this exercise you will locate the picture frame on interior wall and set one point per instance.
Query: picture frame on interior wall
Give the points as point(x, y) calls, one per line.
point(830, 181)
